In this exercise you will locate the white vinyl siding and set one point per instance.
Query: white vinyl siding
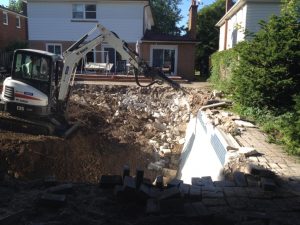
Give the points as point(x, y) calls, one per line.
point(222, 37)
point(260, 11)
point(236, 28)
point(125, 19)
point(246, 19)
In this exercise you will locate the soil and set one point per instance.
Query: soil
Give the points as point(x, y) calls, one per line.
point(115, 131)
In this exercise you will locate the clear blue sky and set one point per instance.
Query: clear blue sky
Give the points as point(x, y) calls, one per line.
point(184, 8)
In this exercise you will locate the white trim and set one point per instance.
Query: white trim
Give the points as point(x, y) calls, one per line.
point(18, 19)
point(168, 47)
point(6, 15)
point(54, 44)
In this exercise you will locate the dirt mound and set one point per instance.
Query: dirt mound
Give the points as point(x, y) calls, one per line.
point(120, 125)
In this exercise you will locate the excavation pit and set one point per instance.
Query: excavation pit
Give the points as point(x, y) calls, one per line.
point(120, 125)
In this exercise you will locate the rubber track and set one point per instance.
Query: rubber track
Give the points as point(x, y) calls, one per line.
point(19, 125)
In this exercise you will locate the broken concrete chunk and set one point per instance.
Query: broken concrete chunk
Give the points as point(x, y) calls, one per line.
point(61, 189)
point(159, 182)
point(248, 151)
point(240, 179)
point(243, 123)
point(169, 173)
point(109, 181)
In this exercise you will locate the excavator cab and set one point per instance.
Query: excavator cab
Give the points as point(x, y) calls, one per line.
point(33, 80)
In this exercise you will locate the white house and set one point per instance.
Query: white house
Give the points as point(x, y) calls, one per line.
point(53, 25)
point(243, 16)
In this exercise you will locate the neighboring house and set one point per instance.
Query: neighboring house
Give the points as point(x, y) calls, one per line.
point(55, 24)
point(243, 16)
point(13, 27)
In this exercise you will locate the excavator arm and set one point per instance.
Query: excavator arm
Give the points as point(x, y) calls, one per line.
point(79, 49)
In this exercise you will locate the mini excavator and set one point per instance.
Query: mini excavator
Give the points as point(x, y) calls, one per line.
point(35, 97)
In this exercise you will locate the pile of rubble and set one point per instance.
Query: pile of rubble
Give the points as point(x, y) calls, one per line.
point(155, 118)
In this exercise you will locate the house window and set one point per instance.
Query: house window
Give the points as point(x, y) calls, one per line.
point(54, 48)
point(18, 22)
point(165, 57)
point(5, 18)
point(84, 11)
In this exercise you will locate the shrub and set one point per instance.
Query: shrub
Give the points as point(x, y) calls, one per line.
point(268, 74)
point(222, 65)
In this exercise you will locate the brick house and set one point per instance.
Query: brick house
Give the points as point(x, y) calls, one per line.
point(13, 27)
point(55, 24)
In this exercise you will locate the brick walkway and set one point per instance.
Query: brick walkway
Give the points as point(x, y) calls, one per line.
point(273, 157)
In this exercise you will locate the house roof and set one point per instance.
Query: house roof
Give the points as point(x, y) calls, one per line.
point(151, 36)
point(11, 11)
point(238, 5)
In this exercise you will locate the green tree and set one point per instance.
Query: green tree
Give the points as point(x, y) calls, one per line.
point(166, 15)
point(208, 34)
point(15, 5)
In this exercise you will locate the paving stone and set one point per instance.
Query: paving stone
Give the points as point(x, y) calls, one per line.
point(214, 202)
point(139, 177)
point(11, 218)
point(109, 181)
point(252, 181)
point(203, 181)
point(253, 222)
point(184, 189)
point(235, 192)
point(50, 181)
point(61, 189)
point(174, 206)
point(268, 184)
point(174, 183)
point(170, 193)
point(212, 194)
point(237, 203)
point(152, 206)
point(129, 184)
point(197, 210)
point(146, 192)
point(256, 192)
point(126, 171)
point(224, 183)
point(240, 179)
point(195, 192)
point(52, 200)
